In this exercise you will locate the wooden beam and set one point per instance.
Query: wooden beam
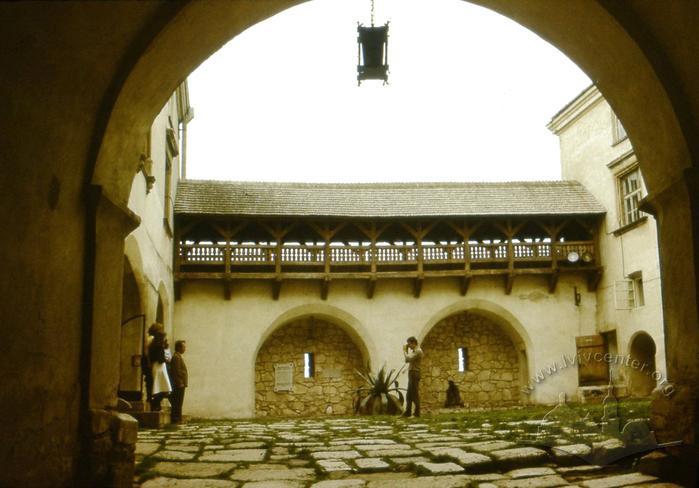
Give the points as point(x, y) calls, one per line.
point(363, 275)
point(188, 226)
point(227, 289)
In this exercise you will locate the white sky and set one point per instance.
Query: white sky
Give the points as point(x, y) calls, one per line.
point(470, 93)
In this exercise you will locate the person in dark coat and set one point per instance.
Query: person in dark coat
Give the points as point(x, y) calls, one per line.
point(178, 378)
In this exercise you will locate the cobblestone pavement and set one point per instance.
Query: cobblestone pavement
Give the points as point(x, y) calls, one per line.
point(365, 452)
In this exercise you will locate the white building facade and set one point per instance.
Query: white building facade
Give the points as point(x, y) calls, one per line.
point(596, 152)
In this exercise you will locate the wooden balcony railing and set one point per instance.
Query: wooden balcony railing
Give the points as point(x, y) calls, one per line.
point(241, 256)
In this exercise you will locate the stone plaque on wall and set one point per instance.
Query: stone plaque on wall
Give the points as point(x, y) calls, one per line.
point(283, 376)
point(332, 373)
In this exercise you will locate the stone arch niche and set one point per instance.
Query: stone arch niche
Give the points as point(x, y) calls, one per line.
point(132, 334)
point(493, 370)
point(335, 358)
point(641, 380)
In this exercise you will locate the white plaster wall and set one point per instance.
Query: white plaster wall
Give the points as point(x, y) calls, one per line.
point(152, 241)
point(586, 150)
point(223, 336)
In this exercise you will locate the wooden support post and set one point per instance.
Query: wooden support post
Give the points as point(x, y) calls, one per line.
point(227, 289)
point(553, 280)
point(465, 231)
point(553, 231)
point(509, 281)
point(593, 279)
point(510, 231)
point(419, 232)
point(371, 287)
point(417, 286)
point(324, 288)
point(278, 232)
point(465, 282)
point(276, 288)
point(177, 255)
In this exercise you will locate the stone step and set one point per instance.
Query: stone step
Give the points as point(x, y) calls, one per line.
point(152, 420)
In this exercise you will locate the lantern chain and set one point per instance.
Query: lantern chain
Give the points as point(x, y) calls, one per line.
point(372, 13)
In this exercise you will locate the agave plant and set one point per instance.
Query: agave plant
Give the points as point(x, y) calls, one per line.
point(380, 395)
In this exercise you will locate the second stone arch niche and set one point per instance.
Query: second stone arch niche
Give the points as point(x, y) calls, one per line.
point(324, 359)
point(478, 355)
point(641, 367)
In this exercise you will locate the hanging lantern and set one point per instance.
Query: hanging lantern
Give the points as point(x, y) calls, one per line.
point(372, 51)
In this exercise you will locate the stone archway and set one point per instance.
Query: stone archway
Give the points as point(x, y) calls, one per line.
point(642, 365)
point(478, 355)
point(607, 42)
point(327, 389)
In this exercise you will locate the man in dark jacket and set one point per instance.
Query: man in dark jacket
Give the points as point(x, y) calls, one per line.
point(178, 378)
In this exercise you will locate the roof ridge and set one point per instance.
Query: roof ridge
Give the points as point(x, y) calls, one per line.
point(425, 184)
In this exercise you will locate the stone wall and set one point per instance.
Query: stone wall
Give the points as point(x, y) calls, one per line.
point(329, 391)
point(492, 377)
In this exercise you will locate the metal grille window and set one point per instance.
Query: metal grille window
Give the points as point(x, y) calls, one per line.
point(631, 192)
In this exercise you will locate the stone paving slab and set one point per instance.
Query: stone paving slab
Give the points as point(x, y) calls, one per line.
point(470, 460)
point(572, 453)
point(335, 454)
point(235, 455)
point(371, 464)
point(383, 447)
point(441, 468)
point(529, 472)
point(362, 441)
point(333, 465)
point(618, 480)
point(193, 470)
point(182, 448)
point(246, 445)
point(536, 482)
point(400, 452)
point(174, 456)
point(519, 456)
point(284, 473)
point(445, 481)
point(328, 448)
point(489, 446)
point(409, 459)
point(274, 484)
point(339, 484)
point(147, 448)
point(162, 482)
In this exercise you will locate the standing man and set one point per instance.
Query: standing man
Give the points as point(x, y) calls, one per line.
point(178, 371)
point(413, 356)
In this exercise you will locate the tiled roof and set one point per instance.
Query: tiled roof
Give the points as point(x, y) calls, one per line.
point(361, 200)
